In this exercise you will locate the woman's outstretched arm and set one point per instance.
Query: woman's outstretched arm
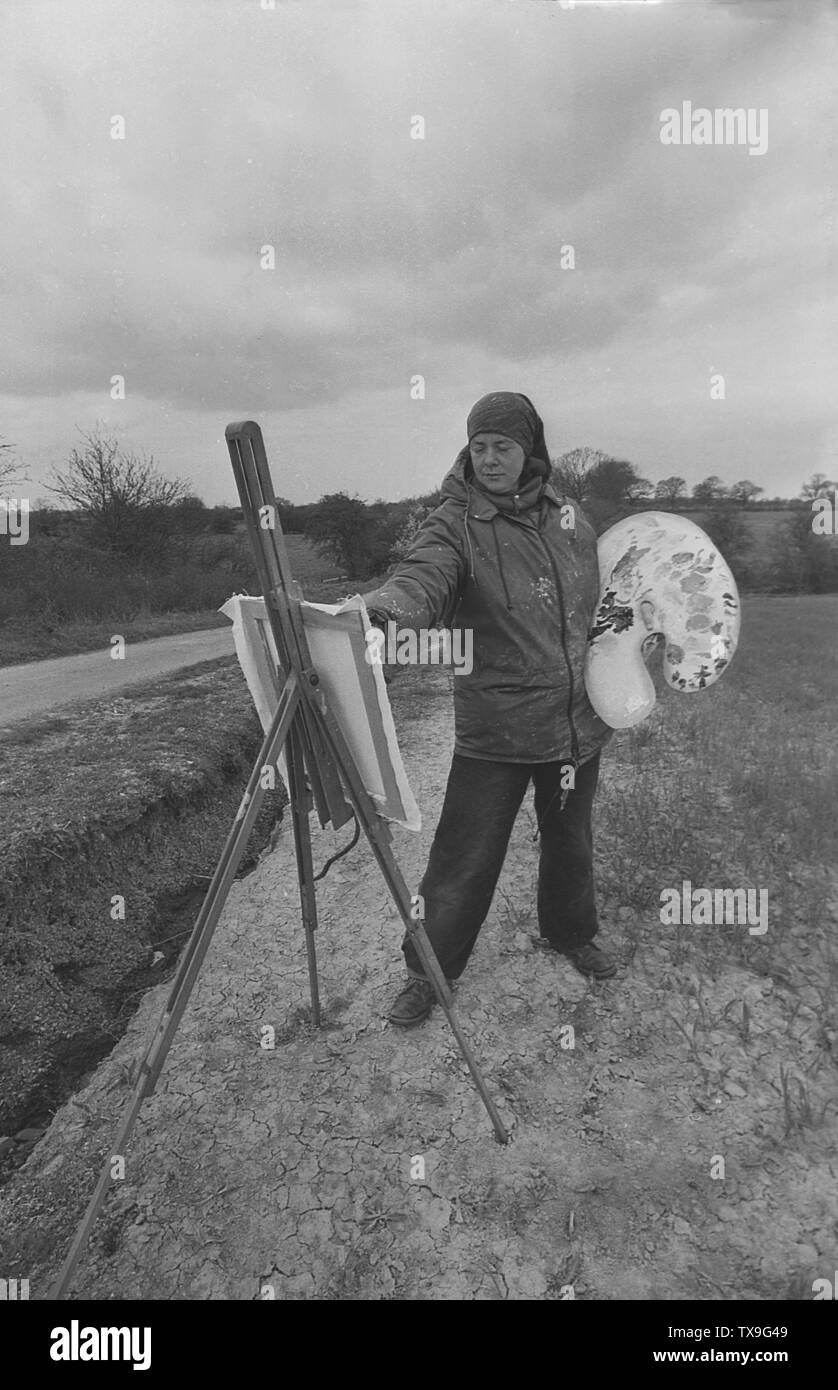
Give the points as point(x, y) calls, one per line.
point(422, 591)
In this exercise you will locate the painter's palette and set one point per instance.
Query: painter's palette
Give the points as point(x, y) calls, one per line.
point(659, 573)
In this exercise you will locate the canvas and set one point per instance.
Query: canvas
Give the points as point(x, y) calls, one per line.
point(354, 688)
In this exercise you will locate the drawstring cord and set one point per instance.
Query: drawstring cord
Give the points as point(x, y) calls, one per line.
point(468, 533)
point(468, 543)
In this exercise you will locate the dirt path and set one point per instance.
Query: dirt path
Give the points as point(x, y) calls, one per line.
point(293, 1172)
point(39, 686)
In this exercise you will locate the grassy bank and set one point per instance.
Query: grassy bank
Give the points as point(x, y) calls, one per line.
point(122, 801)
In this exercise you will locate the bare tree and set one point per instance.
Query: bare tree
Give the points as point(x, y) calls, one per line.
point(10, 477)
point(670, 489)
point(817, 486)
point(639, 489)
point(571, 471)
point(709, 489)
point(745, 491)
point(125, 497)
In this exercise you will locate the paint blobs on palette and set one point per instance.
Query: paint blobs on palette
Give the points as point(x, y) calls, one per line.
point(692, 583)
point(698, 680)
point(611, 616)
point(661, 574)
point(626, 571)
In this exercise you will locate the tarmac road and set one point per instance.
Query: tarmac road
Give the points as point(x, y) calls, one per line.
point(39, 686)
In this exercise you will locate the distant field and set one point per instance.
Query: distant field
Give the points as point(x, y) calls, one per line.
point(763, 524)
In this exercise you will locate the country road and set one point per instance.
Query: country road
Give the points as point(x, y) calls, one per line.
point(45, 685)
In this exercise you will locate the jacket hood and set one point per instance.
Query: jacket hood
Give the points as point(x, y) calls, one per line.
point(459, 485)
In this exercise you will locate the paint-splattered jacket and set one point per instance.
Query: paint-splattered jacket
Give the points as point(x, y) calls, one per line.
point(526, 582)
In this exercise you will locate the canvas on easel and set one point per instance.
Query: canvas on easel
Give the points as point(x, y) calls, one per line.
point(352, 682)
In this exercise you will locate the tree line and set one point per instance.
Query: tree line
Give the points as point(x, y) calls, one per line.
point(120, 520)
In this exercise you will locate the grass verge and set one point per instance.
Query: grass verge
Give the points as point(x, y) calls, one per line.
point(112, 817)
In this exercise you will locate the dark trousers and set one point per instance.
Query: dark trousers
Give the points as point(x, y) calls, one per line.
point(482, 800)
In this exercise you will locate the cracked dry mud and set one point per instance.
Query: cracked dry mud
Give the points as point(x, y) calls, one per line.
point(286, 1173)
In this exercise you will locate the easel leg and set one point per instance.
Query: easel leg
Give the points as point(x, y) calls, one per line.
point(305, 867)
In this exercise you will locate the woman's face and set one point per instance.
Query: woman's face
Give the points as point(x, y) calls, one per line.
point(497, 461)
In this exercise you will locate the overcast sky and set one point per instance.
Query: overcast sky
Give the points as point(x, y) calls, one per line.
point(395, 256)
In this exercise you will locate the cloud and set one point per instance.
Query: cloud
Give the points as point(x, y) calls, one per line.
point(291, 128)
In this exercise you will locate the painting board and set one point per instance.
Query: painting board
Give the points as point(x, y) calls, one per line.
point(354, 688)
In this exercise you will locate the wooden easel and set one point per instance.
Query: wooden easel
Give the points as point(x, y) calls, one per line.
point(317, 757)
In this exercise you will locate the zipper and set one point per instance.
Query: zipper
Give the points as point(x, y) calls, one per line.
point(500, 567)
point(516, 519)
point(574, 740)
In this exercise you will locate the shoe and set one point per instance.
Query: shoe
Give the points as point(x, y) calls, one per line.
point(590, 960)
point(587, 959)
point(413, 1004)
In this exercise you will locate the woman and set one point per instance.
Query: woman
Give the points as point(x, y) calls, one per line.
point(505, 556)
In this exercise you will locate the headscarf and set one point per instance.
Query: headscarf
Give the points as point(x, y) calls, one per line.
point(514, 415)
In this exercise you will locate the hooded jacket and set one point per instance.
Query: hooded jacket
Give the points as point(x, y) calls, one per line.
point(521, 572)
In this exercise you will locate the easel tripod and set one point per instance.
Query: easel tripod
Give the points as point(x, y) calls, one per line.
point(317, 757)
